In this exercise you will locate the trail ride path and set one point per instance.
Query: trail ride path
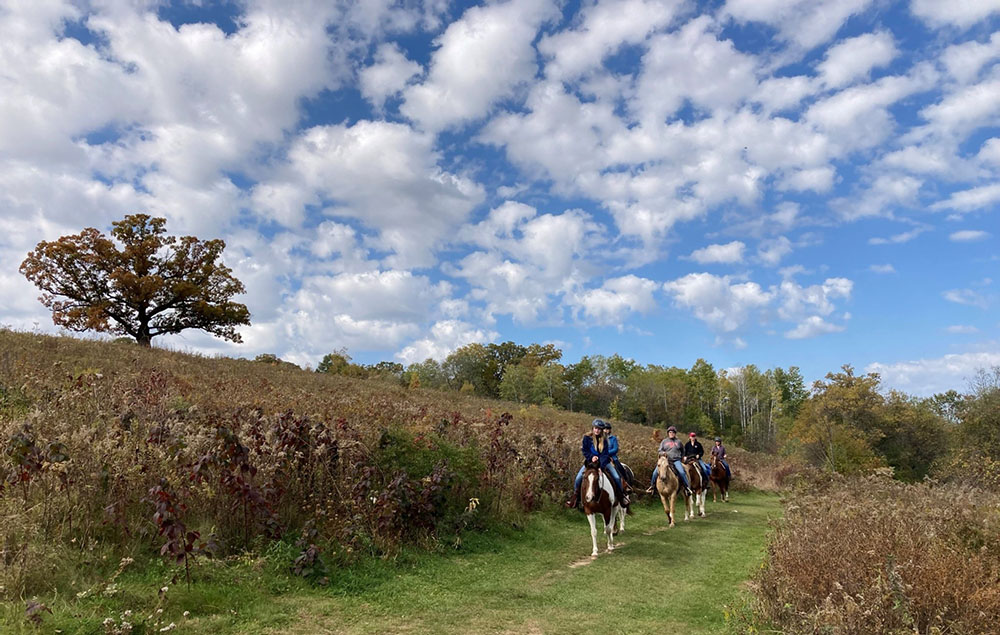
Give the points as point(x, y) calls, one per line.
point(543, 580)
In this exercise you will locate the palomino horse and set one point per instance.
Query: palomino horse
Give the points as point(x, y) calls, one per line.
point(667, 486)
point(720, 478)
point(598, 498)
point(700, 489)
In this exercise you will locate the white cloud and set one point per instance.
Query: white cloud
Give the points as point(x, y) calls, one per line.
point(604, 27)
point(949, 13)
point(806, 23)
point(967, 297)
point(615, 300)
point(964, 61)
point(723, 305)
point(770, 252)
point(854, 58)
point(806, 304)
point(925, 377)
point(812, 326)
point(886, 268)
point(902, 237)
point(675, 67)
point(729, 253)
point(497, 37)
point(968, 235)
point(388, 76)
point(383, 174)
point(971, 199)
point(445, 336)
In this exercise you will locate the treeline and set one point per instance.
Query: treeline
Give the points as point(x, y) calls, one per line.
point(844, 423)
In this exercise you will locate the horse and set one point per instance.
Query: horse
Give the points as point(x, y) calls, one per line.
point(667, 486)
point(719, 478)
point(698, 487)
point(598, 497)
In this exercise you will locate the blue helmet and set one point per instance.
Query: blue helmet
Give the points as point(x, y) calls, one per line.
point(600, 424)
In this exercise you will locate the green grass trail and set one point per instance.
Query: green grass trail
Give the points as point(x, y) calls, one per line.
point(537, 580)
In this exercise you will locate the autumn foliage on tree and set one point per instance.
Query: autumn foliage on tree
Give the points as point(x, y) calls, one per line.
point(139, 282)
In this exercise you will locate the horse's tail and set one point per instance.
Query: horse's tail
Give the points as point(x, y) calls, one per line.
point(627, 474)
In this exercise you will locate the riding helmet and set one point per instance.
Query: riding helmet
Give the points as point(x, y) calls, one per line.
point(671, 429)
point(718, 439)
point(598, 423)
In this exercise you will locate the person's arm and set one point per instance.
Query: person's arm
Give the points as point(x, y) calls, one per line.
point(701, 451)
point(613, 447)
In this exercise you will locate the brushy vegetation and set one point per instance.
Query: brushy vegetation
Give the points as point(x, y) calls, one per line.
point(111, 450)
point(873, 555)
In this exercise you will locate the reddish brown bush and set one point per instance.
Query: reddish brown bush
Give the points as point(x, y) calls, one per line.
point(872, 555)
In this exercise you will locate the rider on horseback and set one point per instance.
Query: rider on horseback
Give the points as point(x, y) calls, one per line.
point(693, 449)
point(595, 448)
point(719, 452)
point(673, 449)
point(623, 474)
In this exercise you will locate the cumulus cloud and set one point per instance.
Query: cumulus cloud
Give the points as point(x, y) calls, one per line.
point(805, 23)
point(729, 253)
point(603, 28)
point(388, 75)
point(497, 37)
point(718, 301)
point(925, 377)
point(812, 326)
point(854, 58)
point(383, 174)
point(886, 268)
point(610, 304)
point(726, 306)
point(960, 14)
point(444, 337)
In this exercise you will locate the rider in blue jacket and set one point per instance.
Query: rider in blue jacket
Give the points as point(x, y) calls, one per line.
point(595, 448)
point(613, 452)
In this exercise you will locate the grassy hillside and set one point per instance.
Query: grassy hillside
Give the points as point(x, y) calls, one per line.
point(112, 451)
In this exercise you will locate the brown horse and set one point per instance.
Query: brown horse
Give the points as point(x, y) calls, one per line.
point(598, 498)
point(695, 502)
point(720, 479)
point(667, 486)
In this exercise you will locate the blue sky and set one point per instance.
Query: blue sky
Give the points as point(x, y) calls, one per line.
point(777, 182)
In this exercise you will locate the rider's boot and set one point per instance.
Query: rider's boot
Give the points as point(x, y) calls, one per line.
point(575, 500)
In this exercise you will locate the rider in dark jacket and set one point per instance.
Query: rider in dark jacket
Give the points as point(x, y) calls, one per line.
point(693, 449)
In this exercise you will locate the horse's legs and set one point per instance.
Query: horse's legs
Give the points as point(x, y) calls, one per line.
point(670, 514)
point(593, 532)
point(621, 518)
point(609, 527)
point(701, 502)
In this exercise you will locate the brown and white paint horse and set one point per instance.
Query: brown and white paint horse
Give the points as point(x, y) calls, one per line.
point(700, 489)
point(667, 486)
point(720, 479)
point(598, 498)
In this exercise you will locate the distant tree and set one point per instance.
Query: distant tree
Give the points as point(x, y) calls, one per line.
point(498, 358)
point(547, 387)
point(151, 285)
point(541, 354)
point(467, 364)
point(335, 363)
point(576, 377)
point(517, 383)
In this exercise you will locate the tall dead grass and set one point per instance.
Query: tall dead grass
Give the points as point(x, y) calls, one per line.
point(872, 555)
point(113, 450)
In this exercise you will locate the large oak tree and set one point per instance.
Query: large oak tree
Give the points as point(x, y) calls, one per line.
point(142, 284)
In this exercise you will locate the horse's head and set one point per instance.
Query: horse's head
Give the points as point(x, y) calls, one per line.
point(592, 483)
point(663, 465)
point(711, 460)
